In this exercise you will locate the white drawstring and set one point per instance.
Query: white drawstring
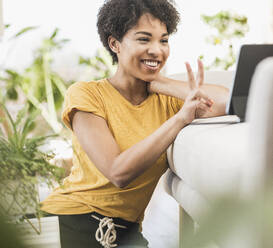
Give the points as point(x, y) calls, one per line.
point(108, 238)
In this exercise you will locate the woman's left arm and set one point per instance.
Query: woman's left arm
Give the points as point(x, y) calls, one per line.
point(180, 89)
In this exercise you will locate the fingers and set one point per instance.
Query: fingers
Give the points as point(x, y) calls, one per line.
point(190, 76)
point(209, 102)
point(204, 106)
point(201, 95)
point(198, 94)
point(200, 74)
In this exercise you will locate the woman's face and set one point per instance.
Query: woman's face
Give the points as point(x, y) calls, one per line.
point(144, 49)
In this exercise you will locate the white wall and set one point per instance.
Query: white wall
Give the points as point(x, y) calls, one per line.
point(1, 20)
point(189, 42)
point(77, 21)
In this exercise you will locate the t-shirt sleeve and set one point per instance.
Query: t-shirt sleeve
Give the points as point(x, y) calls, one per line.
point(82, 96)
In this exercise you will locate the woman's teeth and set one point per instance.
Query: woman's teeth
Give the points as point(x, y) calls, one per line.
point(151, 63)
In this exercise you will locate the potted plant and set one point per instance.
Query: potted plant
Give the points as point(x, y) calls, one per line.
point(23, 166)
point(42, 89)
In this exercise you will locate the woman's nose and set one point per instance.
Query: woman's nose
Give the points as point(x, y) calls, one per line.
point(154, 49)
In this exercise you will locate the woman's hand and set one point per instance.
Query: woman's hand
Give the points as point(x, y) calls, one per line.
point(197, 103)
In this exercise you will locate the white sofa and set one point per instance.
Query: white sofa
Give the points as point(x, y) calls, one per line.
point(209, 161)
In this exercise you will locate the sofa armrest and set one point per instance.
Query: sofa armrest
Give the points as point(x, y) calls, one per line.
point(210, 157)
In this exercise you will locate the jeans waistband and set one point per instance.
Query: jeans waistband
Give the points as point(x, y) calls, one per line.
point(116, 220)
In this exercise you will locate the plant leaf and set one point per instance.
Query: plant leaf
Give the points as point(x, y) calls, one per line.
point(24, 30)
point(54, 34)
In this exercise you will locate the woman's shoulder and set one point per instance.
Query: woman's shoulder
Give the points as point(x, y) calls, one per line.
point(87, 84)
point(93, 87)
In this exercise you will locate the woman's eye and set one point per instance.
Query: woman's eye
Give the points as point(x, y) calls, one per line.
point(143, 39)
point(165, 41)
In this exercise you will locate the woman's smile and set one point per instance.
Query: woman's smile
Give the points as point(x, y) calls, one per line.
point(151, 64)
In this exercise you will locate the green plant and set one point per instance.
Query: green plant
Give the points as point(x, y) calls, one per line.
point(43, 88)
point(228, 26)
point(101, 64)
point(23, 166)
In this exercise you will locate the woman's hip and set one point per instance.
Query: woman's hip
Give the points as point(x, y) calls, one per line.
point(95, 230)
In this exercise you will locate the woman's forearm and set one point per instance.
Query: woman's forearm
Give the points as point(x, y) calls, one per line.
point(170, 87)
point(180, 89)
point(134, 161)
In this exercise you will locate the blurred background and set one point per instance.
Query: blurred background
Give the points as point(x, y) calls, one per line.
point(76, 20)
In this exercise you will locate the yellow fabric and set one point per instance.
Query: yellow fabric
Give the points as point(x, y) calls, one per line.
point(86, 189)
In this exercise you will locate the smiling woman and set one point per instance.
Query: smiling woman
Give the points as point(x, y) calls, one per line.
point(141, 55)
point(121, 130)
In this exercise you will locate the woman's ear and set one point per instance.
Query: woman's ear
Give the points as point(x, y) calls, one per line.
point(114, 44)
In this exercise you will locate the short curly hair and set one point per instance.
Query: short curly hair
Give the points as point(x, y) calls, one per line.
point(116, 17)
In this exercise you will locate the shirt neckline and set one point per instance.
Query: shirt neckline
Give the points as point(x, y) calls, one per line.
point(149, 97)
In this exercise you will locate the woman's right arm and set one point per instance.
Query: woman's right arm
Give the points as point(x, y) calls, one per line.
point(122, 167)
point(119, 167)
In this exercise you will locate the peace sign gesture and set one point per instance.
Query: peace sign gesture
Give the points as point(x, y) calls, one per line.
point(197, 102)
point(199, 81)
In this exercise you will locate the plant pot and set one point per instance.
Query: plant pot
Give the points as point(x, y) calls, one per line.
point(15, 200)
point(49, 237)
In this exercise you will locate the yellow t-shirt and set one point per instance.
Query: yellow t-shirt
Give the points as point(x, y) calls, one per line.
point(86, 189)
